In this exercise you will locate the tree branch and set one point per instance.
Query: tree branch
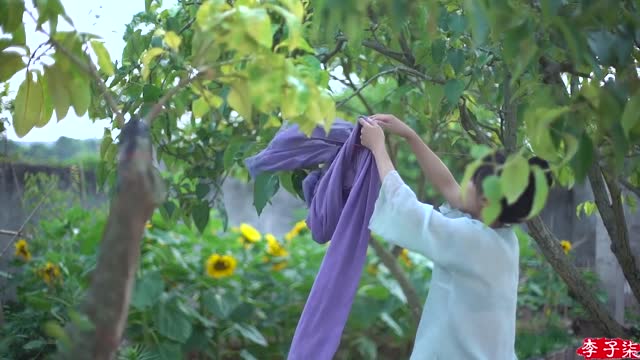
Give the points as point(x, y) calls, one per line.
point(365, 84)
point(395, 55)
point(471, 127)
point(510, 126)
point(408, 55)
point(340, 41)
point(409, 292)
point(612, 213)
point(552, 251)
point(91, 69)
point(159, 106)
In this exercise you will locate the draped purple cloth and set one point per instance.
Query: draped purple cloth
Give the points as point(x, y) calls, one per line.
point(341, 198)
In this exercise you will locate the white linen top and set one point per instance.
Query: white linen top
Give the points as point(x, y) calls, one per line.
point(470, 311)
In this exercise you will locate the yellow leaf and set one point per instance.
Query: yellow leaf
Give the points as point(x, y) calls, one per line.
point(172, 40)
point(147, 57)
point(238, 98)
point(104, 60)
point(151, 54)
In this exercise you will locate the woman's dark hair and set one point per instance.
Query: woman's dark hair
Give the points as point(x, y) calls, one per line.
point(519, 210)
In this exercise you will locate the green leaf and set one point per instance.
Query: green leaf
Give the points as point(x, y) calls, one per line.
point(230, 153)
point(104, 60)
point(27, 106)
point(246, 355)
point(582, 160)
point(491, 212)
point(377, 292)
point(151, 93)
point(366, 347)
point(80, 89)
point(453, 90)
point(172, 323)
point(58, 90)
point(456, 59)
point(492, 188)
point(631, 114)
point(221, 306)
point(239, 100)
point(515, 177)
point(11, 15)
point(34, 344)
point(477, 16)
point(265, 186)
point(47, 107)
point(258, 25)
point(541, 192)
point(469, 170)
point(250, 332)
point(81, 320)
point(200, 107)
point(11, 63)
point(167, 350)
point(147, 290)
point(387, 319)
point(438, 48)
point(200, 214)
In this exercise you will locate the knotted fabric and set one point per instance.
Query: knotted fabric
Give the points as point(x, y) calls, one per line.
point(341, 198)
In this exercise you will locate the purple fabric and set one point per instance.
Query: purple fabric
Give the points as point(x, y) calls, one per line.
point(347, 185)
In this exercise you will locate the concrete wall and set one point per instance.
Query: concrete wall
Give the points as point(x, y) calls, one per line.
point(589, 238)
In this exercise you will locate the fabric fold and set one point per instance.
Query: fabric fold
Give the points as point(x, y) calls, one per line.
point(341, 198)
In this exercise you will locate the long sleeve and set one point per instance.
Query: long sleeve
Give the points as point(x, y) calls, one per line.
point(400, 218)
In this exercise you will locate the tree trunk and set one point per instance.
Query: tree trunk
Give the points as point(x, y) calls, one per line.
point(612, 213)
point(138, 193)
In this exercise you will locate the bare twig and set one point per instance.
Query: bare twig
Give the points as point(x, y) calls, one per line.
point(395, 55)
point(365, 84)
point(408, 55)
point(26, 221)
point(340, 41)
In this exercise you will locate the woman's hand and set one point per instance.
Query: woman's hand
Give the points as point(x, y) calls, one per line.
point(393, 124)
point(371, 136)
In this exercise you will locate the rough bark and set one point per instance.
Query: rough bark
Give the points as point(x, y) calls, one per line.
point(612, 212)
point(552, 251)
point(106, 306)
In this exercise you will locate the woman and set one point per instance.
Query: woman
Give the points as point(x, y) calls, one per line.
point(470, 312)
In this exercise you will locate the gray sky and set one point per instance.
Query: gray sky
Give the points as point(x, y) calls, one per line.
point(106, 19)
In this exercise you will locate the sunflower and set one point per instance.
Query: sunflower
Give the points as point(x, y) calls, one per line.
point(220, 266)
point(274, 248)
point(299, 227)
point(404, 256)
point(566, 246)
point(49, 273)
point(249, 235)
point(22, 250)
